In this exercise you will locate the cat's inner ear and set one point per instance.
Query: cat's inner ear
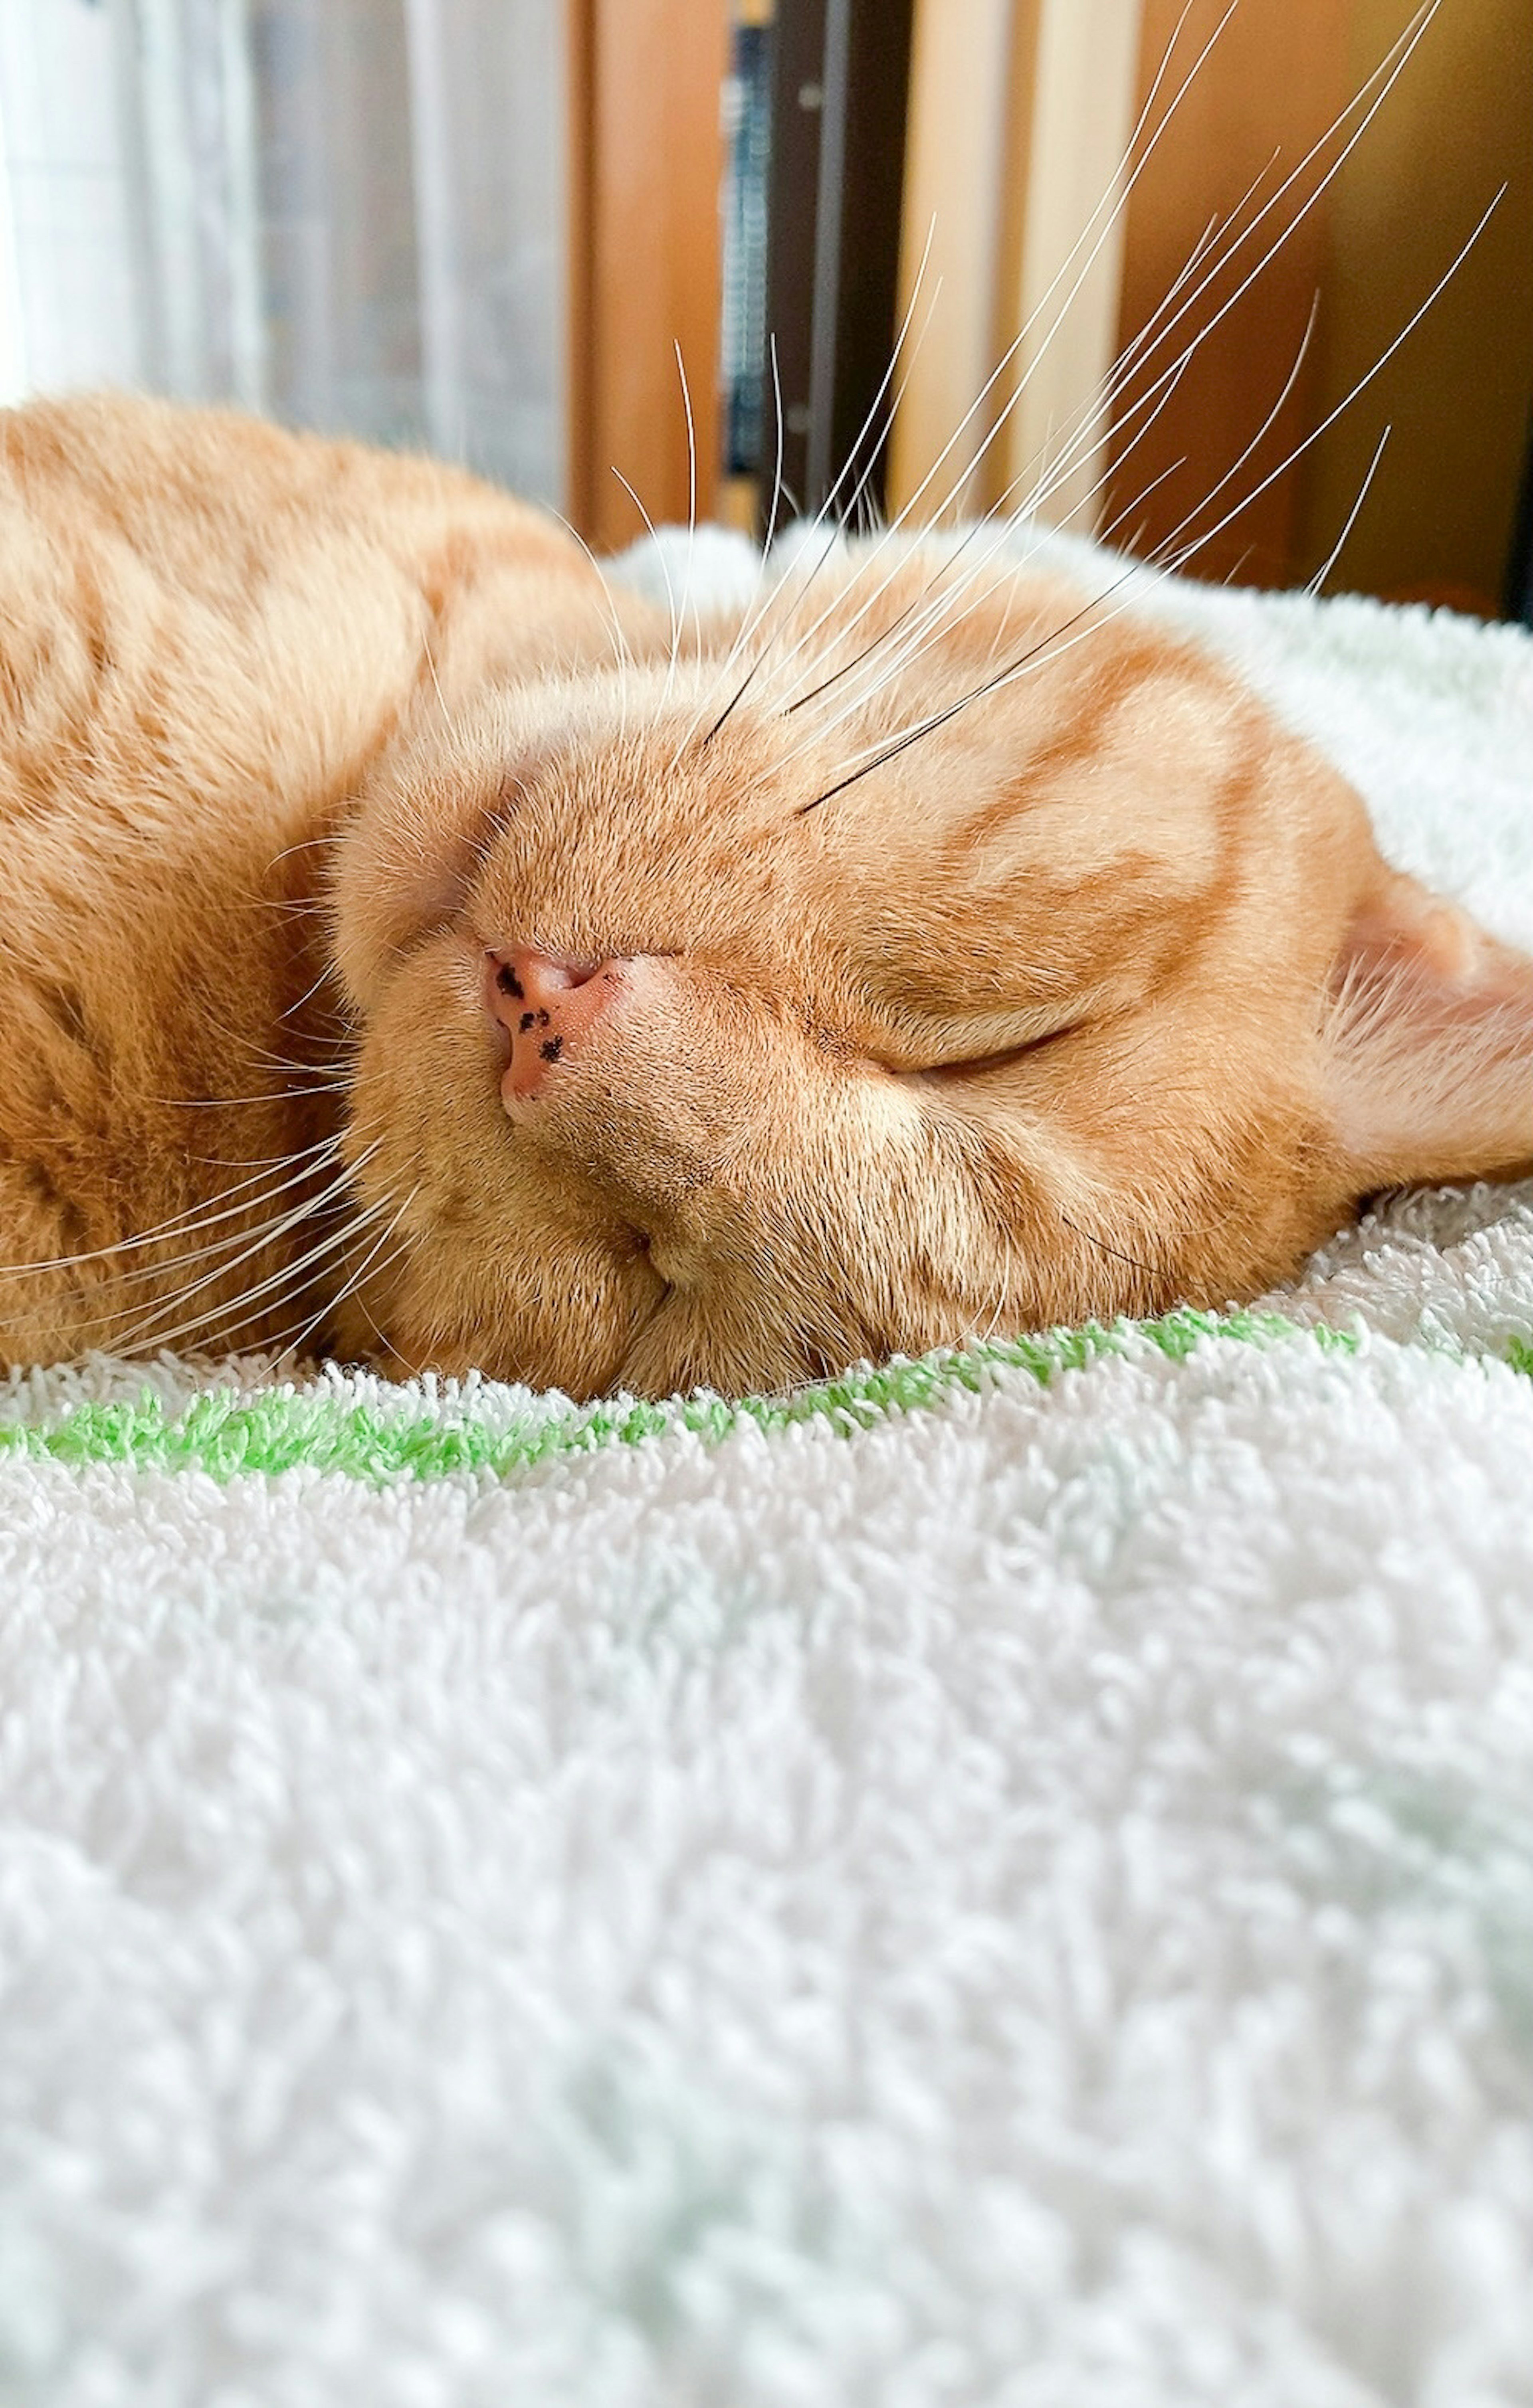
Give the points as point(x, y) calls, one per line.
point(1429, 1043)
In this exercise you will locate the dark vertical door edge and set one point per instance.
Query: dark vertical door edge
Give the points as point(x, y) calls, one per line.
point(839, 93)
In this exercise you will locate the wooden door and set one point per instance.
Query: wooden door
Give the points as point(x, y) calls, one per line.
point(645, 80)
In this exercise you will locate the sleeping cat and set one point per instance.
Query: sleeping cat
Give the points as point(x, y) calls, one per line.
point(417, 949)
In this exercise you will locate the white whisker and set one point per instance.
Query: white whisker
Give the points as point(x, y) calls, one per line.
point(664, 568)
point(780, 592)
point(269, 1235)
point(1318, 579)
point(1392, 69)
point(333, 1304)
point(187, 1223)
point(1118, 180)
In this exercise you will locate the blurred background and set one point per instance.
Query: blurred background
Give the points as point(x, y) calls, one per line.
point(492, 227)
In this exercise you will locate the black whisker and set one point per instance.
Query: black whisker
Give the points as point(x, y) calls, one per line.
point(940, 719)
point(1102, 1247)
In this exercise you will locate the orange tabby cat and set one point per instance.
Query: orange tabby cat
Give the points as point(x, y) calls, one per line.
point(405, 954)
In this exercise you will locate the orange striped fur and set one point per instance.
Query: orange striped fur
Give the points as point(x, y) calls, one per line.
point(1095, 997)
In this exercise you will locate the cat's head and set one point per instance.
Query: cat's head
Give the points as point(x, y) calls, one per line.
point(728, 1020)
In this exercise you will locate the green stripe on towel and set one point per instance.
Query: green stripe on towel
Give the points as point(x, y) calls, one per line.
point(225, 1431)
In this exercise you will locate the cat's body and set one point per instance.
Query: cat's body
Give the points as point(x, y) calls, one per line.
point(449, 973)
point(207, 630)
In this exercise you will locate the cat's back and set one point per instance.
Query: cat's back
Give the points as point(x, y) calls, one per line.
point(208, 629)
point(196, 602)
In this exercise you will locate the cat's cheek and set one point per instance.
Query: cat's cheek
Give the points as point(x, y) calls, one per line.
point(560, 1322)
point(511, 1263)
point(418, 834)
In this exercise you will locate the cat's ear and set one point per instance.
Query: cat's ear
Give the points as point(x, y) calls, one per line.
point(1429, 1043)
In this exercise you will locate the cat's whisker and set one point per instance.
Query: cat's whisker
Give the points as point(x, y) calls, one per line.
point(106, 1321)
point(159, 1270)
point(331, 843)
point(1110, 529)
point(1115, 1252)
point(436, 683)
point(1160, 325)
point(288, 1342)
point(927, 608)
point(1385, 74)
point(919, 640)
point(962, 593)
point(751, 618)
point(888, 750)
point(1263, 430)
point(665, 566)
point(688, 590)
point(1030, 511)
point(151, 1317)
point(622, 651)
point(188, 1222)
point(333, 1052)
point(332, 1304)
point(689, 593)
point(993, 1324)
point(915, 609)
point(217, 1327)
point(1360, 387)
point(291, 1217)
point(323, 978)
point(1029, 660)
point(289, 908)
point(1108, 396)
point(283, 1161)
point(1251, 447)
point(1318, 579)
point(777, 593)
point(994, 515)
point(411, 1370)
point(148, 1327)
point(1121, 184)
point(1215, 231)
point(1390, 68)
point(1150, 405)
point(314, 1083)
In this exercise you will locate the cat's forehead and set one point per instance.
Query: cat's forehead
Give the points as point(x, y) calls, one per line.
point(640, 828)
point(1048, 828)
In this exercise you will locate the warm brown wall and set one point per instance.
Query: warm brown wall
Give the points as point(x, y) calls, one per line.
point(1458, 123)
point(1437, 521)
point(1272, 79)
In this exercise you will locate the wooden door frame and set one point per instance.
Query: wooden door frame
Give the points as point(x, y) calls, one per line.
point(644, 81)
point(1044, 91)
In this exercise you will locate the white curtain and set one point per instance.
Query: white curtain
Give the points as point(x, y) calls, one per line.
point(349, 213)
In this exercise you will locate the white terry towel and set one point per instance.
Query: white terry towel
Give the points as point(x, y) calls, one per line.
point(1007, 1881)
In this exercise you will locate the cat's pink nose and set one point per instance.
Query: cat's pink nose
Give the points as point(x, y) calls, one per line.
point(548, 1008)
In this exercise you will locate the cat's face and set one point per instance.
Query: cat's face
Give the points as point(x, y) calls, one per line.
point(671, 1073)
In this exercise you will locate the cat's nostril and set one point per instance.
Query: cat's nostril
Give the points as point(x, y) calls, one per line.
point(528, 977)
point(548, 1007)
